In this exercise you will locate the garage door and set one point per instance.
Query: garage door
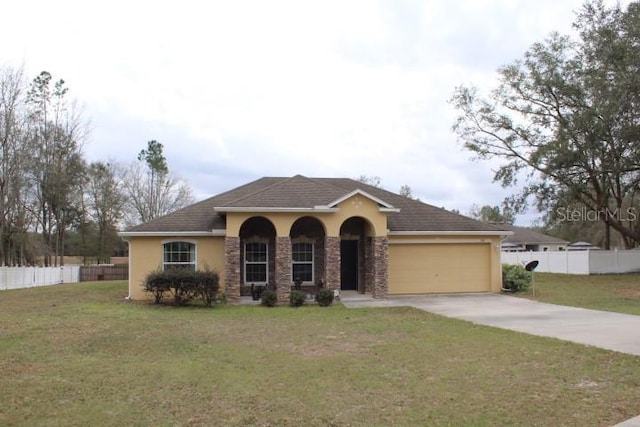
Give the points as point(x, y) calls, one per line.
point(437, 268)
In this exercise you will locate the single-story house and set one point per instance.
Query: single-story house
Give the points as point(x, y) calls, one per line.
point(582, 246)
point(526, 240)
point(336, 233)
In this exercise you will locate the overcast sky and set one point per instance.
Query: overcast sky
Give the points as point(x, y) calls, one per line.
point(236, 90)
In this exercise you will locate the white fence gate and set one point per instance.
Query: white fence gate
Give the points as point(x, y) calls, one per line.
point(578, 262)
point(30, 277)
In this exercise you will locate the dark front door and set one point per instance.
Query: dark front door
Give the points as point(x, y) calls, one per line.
point(349, 265)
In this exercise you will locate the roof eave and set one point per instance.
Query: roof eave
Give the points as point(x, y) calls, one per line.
point(450, 233)
point(212, 233)
point(363, 193)
point(224, 209)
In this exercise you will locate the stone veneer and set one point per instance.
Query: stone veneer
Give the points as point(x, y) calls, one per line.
point(380, 286)
point(376, 259)
point(283, 268)
point(369, 265)
point(332, 262)
point(232, 268)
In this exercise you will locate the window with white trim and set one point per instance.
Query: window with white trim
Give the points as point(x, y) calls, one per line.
point(256, 263)
point(179, 255)
point(302, 261)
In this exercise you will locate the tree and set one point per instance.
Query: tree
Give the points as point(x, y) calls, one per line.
point(565, 118)
point(55, 134)
point(150, 188)
point(104, 206)
point(373, 181)
point(406, 191)
point(15, 218)
point(488, 213)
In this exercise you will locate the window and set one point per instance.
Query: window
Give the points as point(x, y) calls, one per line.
point(302, 265)
point(179, 255)
point(255, 262)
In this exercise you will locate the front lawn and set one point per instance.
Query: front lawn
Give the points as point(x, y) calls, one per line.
point(78, 354)
point(609, 292)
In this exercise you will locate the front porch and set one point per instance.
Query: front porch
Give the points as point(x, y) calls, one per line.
point(259, 258)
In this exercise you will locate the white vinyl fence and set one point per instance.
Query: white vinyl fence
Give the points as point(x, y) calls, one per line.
point(578, 262)
point(29, 277)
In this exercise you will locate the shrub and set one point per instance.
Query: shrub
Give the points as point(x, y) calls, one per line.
point(157, 284)
point(324, 297)
point(515, 278)
point(269, 298)
point(207, 283)
point(184, 285)
point(297, 298)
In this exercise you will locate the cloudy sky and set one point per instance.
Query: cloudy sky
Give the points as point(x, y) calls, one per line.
point(236, 90)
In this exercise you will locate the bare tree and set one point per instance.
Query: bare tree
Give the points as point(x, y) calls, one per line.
point(14, 219)
point(56, 133)
point(151, 190)
point(373, 181)
point(104, 204)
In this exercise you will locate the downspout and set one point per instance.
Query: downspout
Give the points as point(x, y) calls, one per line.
point(128, 298)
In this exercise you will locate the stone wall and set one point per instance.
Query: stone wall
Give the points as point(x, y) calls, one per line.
point(332, 262)
point(369, 266)
point(232, 268)
point(283, 268)
point(381, 271)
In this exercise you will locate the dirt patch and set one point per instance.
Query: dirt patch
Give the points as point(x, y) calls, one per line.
point(628, 293)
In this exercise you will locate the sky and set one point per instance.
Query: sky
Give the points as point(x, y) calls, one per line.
point(237, 90)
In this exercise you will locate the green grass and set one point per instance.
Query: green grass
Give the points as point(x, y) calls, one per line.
point(609, 292)
point(78, 354)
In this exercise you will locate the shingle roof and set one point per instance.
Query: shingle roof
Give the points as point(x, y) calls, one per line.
point(303, 192)
point(522, 236)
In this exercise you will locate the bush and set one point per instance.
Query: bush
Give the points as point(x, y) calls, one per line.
point(297, 298)
point(324, 297)
point(184, 285)
point(157, 284)
point(515, 278)
point(207, 285)
point(269, 298)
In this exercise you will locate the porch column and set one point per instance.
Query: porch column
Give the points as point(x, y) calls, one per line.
point(232, 268)
point(381, 262)
point(332, 262)
point(283, 268)
point(369, 266)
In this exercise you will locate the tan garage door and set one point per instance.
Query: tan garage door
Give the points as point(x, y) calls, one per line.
point(437, 268)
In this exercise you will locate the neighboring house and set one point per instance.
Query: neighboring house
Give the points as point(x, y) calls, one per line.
point(525, 240)
point(333, 232)
point(581, 246)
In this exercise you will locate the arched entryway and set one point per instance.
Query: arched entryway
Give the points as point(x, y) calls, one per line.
point(355, 255)
point(257, 254)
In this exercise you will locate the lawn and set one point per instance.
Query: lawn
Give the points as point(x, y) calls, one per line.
point(78, 354)
point(609, 292)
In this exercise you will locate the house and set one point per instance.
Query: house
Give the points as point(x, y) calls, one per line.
point(525, 240)
point(581, 246)
point(333, 232)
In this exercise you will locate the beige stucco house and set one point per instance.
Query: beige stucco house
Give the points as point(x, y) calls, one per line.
point(333, 232)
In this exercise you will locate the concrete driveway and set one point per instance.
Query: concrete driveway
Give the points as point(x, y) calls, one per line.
point(611, 331)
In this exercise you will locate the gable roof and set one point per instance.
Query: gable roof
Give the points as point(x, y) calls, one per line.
point(522, 236)
point(405, 215)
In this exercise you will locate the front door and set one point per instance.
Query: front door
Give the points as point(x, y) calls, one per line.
point(349, 265)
